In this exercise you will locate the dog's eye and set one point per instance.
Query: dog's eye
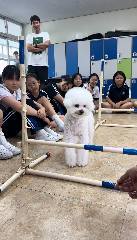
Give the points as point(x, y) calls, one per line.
point(77, 105)
point(84, 105)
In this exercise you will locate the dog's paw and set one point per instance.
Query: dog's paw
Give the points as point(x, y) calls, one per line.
point(71, 165)
point(82, 164)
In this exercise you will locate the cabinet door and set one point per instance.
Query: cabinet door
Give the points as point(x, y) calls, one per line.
point(110, 49)
point(107, 83)
point(124, 65)
point(60, 59)
point(134, 88)
point(96, 67)
point(71, 58)
point(110, 67)
point(134, 48)
point(124, 47)
point(128, 82)
point(84, 58)
point(51, 61)
point(96, 50)
point(134, 67)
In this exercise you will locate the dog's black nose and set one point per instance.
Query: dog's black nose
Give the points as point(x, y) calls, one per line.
point(80, 112)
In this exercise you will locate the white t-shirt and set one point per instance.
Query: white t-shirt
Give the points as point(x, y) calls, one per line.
point(95, 91)
point(39, 58)
point(4, 92)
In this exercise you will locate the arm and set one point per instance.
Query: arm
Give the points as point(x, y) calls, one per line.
point(59, 98)
point(31, 48)
point(44, 45)
point(122, 102)
point(41, 112)
point(110, 102)
point(96, 104)
point(128, 182)
point(89, 89)
point(16, 105)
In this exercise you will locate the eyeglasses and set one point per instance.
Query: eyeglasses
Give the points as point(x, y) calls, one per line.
point(78, 79)
point(32, 85)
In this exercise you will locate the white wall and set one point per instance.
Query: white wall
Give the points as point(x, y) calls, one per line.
point(80, 27)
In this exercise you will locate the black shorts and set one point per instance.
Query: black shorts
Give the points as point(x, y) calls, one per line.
point(41, 72)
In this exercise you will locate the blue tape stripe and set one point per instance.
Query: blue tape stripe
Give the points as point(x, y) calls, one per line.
point(135, 110)
point(93, 147)
point(108, 184)
point(129, 151)
point(21, 51)
point(102, 66)
point(0, 190)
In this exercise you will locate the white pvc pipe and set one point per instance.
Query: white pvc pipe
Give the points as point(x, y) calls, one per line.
point(59, 144)
point(113, 150)
point(118, 125)
point(36, 161)
point(64, 177)
point(117, 109)
point(12, 179)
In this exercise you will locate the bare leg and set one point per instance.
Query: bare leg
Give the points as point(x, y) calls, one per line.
point(126, 105)
point(135, 104)
point(52, 114)
point(106, 105)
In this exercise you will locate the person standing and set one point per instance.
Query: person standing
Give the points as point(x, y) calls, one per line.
point(37, 45)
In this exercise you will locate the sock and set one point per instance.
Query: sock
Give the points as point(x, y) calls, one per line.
point(59, 122)
point(7, 145)
point(58, 136)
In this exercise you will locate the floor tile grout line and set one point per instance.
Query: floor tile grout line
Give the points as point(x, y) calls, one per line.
point(70, 198)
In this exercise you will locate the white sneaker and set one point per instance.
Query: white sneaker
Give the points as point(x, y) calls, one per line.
point(7, 145)
point(56, 135)
point(5, 153)
point(43, 135)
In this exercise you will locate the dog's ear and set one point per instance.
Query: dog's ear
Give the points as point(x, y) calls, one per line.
point(67, 102)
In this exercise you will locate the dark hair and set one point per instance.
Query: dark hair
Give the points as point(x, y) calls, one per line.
point(93, 75)
point(9, 71)
point(15, 52)
point(68, 81)
point(75, 75)
point(34, 18)
point(32, 75)
point(119, 73)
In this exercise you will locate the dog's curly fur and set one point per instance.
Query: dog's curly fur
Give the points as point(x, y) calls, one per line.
point(78, 124)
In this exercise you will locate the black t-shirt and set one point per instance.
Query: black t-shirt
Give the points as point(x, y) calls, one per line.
point(41, 94)
point(118, 94)
point(52, 90)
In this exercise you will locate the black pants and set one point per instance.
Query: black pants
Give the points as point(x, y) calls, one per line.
point(41, 72)
point(12, 120)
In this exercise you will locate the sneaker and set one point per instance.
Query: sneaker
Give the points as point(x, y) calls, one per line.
point(43, 135)
point(5, 153)
point(57, 135)
point(7, 145)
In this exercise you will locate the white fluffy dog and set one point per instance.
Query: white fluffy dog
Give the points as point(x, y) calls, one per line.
point(78, 124)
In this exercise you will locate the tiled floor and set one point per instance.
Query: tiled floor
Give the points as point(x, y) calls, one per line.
point(43, 208)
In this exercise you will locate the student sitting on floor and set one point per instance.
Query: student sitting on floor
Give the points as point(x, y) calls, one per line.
point(57, 91)
point(77, 80)
point(119, 94)
point(93, 88)
point(128, 182)
point(40, 96)
point(10, 113)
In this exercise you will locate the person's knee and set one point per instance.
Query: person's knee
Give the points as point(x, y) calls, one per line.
point(135, 104)
point(1, 118)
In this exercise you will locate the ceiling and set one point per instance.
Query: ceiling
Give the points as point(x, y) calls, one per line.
point(48, 10)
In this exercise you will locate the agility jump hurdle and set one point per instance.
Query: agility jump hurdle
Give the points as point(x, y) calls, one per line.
point(26, 165)
point(101, 122)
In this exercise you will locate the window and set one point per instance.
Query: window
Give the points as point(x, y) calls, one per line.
point(3, 64)
point(13, 46)
point(14, 29)
point(2, 26)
